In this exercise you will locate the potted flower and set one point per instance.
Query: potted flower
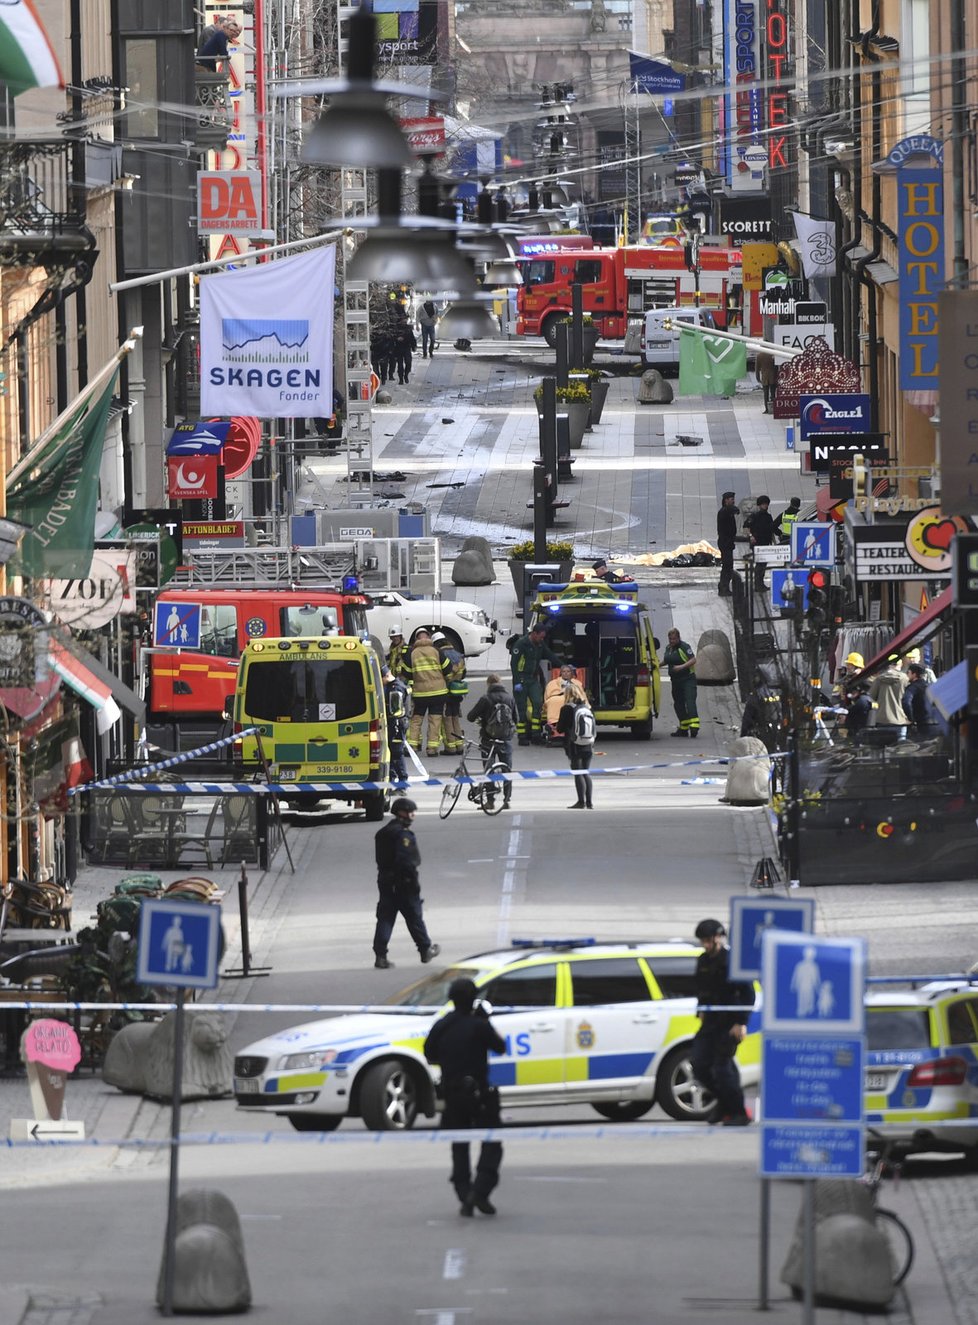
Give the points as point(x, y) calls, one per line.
point(589, 337)
point(559, 552)
point(575, 400)
point(598, 385)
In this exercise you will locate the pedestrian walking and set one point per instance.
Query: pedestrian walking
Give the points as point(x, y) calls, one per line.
point(398, 858)
point(715, 1043)
point(405, 343)
point(458, 687)
point(429, 690)
point(760, 525)
point(916, 705)
point(766, 368)
point(726, 541)
point(460, 1044)
point(577, 726)
point(396, 699)
point(381, 354)
point(427, 320)
point(681, 661)
point(495, 712)
point(526, 654)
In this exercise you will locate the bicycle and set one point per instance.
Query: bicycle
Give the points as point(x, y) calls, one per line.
point(897, 1235)
point(482, 790)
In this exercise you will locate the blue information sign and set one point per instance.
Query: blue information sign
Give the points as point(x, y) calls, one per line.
point(793, 577)
point(813, 544)
point(178, 944)
point(811, 1152)
point(749, 918)
point(812, 1078)
point(176, 626)
point(813, 985)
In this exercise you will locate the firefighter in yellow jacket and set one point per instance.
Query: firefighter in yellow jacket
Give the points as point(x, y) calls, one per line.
point(458, 688)
point(428, 670)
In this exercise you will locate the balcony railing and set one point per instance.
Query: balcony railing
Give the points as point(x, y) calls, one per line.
point(215, 113)
point(40, 221)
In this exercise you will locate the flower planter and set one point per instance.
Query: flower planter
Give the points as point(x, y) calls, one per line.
point(578, 412)
point(599, 394)
point(589, 342)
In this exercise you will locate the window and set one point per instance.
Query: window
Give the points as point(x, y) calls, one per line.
point(588, 271)
point(531, 987)
point(610, 980)
point(897, 1028)
point(310, 620)
point(305, 690)
point(219, 630)
point(915, 67)
point(537, 273)
point(142, 97)
point(675, 976)
point(355, 620)
point(960, 1025)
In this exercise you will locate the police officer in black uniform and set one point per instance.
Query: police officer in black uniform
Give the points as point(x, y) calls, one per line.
point(459, 1044)
point(715, 1043)
point(398, 858)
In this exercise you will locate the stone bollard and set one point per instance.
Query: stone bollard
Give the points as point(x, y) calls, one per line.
point(210, 1274)
point(473, 565)
point(140, 1057)
point(852, 1257)
point(714, 659)
point(654, 389)
point(747, 778)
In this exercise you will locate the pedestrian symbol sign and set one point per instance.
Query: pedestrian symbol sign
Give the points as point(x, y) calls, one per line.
point(812, 984)
point(750, 918)
point(813, 544)
point(789, 588)
point(178, 944)
point(176, 626)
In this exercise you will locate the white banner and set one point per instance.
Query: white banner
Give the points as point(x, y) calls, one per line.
point(266, 339)
point(816, 240)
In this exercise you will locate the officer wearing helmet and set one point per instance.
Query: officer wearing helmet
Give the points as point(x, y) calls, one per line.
point(715, 1043)
point(397, 655)
point(398, 858)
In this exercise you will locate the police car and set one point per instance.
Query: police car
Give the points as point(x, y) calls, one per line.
point(605, 1024)
point(921, 1088)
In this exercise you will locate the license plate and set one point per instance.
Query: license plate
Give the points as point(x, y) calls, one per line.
point(288, 775)
point(877, 1081)
point(245, 1086)
point(658, 344)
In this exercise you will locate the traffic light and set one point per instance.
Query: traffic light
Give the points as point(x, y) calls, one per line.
point(818, 597)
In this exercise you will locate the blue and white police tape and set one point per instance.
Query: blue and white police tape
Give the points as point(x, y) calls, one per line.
point(143, 770)
point(386, 1008)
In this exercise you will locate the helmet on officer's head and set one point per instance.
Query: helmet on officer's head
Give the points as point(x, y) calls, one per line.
point(710, 929)
point(404, 805)
point(395, 632)
point(855, 660)
point(439, 638)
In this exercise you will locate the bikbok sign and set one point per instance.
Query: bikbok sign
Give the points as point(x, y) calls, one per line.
point(229, 202)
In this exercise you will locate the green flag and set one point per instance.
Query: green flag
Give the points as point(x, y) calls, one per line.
point(710, 365)
point(58, 496)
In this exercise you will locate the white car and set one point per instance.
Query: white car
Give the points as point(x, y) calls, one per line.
point(465, 626)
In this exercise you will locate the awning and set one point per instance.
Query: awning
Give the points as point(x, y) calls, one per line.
point(920, 630)
point(881, 273)
point(95, 683)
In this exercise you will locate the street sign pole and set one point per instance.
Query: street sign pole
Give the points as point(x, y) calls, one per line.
point(169, 1250)
point(808, 1252)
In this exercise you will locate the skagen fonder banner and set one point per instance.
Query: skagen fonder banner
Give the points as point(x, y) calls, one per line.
point(266, 339)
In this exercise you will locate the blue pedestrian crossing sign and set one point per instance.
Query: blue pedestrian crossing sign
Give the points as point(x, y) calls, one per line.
point(749, 918)
point(813, 544)
point(178, 944)
point(176, 625)
point(783, 581)
point(812, 984)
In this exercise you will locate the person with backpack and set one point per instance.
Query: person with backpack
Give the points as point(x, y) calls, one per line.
point(576, 724)
point(495, 713)
point(681, 661)
point(453, 736)
point(428, 322)
point(396, 699)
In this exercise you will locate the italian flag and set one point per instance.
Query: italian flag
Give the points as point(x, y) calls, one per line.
point(27, 58)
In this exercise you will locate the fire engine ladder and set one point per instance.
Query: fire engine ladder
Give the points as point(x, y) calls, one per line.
point(356, 322)
point(281, 566)
point(633, 167)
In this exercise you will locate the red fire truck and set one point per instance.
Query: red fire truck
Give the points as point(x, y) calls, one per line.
point(187, 686)
point(621, 284)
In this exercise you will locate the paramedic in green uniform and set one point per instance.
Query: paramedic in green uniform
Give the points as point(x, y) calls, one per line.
point(681, 661)
point(526, 655)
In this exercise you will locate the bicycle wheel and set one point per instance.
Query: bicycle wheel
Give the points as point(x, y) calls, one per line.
point(451, 793)
point(898, 1240)
point(492, 793)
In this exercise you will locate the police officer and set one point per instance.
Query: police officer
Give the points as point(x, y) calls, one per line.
point(603, 572)
point(526, 656)
point(459, 1044)
point(727, 541)
point(398, 858)
point(715, 1043)
point(396, 699)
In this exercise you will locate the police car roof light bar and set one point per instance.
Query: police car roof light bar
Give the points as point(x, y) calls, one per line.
point(553, 943)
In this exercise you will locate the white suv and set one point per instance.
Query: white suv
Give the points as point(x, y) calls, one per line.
point(465, 626)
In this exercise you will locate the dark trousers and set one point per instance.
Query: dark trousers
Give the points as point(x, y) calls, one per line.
point(503, 751)
point(398, 766)
point(726, 568)
point(458, 1114)
point(711, 1057)
point(580, 757)
point(399, 899)
point(404, 363)
point(427, 339)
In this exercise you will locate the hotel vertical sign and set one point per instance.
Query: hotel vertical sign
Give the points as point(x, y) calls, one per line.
point(957, 312)
point(918, 162)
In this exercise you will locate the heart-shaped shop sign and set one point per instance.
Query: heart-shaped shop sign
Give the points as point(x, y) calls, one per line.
point(930, 538)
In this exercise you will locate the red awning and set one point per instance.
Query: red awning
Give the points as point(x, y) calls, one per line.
point(920, 629)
